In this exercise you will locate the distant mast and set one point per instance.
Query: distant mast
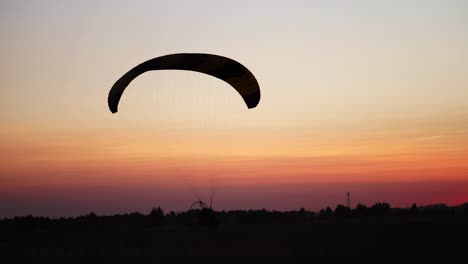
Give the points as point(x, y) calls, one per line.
point(349, 204)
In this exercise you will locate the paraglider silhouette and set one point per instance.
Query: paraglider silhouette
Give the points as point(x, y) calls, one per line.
point(206, 215)
point(226, 69)
point(200, 204)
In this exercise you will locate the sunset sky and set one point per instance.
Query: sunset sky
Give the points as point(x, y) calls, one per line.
point(368, 97)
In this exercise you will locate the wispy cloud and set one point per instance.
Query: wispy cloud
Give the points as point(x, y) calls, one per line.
point(429, 138)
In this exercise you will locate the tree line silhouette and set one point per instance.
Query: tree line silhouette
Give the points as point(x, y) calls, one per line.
point(208, 217)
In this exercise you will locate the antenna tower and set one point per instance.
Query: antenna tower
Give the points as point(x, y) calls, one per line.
point(349, 204)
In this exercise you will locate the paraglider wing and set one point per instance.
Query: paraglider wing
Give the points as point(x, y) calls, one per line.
point(228, 70)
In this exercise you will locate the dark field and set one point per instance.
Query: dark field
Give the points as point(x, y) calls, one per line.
point(383, 240)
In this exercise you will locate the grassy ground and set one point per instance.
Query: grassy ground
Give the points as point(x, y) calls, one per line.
point(382, 241)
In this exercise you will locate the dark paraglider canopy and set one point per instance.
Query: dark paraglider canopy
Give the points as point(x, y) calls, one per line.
point(228, 70)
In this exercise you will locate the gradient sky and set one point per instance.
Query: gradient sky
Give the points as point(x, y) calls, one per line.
point(360, 96)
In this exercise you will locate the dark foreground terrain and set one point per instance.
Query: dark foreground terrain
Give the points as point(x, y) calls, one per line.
point(236, 237)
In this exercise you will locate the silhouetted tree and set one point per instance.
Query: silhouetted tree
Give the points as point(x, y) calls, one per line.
point(157, 212)
point(342, 211)
point(156, 215)
point(361, 210)
point(325, 213)
point(92, 215)
point(413, 210)
point(380, 209)
point(302, 214)
point(208, 217)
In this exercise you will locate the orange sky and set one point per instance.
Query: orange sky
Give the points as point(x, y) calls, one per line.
point(362, 97)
